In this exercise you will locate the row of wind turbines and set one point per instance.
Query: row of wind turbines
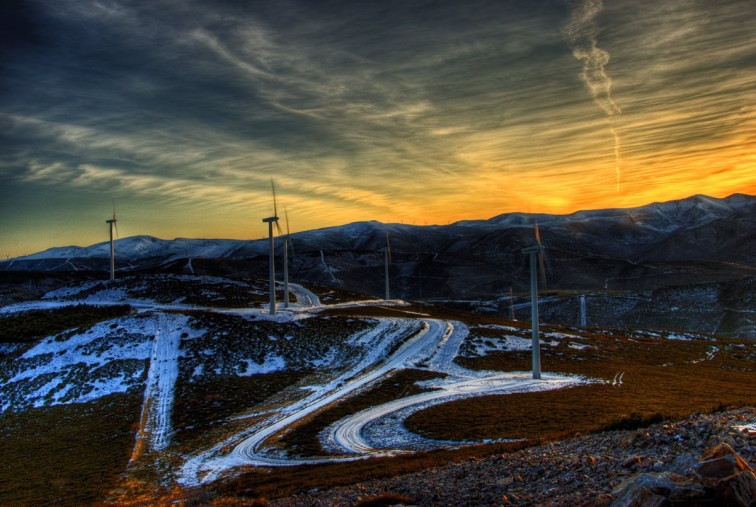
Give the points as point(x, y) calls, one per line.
point(536, 254)
point(272, 262)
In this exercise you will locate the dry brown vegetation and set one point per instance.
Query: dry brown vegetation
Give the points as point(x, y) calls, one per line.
point(278, 482)
point(79, 451)
point(663, 378)
point(670, 377)
point(34, 325)
point(66, 454)
point(199, 291)
point(200, 406)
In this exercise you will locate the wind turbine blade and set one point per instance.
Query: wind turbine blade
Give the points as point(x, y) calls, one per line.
point(542, 266)
point(278, 227)
point(286, 216)
point(388, 246)
point(537, 233)
point(275, 207)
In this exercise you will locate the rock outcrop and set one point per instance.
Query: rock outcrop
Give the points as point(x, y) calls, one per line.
point(721, 477)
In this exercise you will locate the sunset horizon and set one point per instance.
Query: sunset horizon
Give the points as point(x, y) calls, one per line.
point(424, 113)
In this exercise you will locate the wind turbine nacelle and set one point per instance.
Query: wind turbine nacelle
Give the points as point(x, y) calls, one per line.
point(270, 219)
point(532, 249)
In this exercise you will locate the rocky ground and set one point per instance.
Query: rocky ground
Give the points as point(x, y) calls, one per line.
point(680, 463)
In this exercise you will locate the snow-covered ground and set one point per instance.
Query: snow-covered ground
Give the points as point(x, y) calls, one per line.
point(435, 346)
point(148, 349)
point(161, 380)
point(81, 366)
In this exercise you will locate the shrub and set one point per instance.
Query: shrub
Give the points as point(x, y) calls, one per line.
point(34, 325)
point(634, 421)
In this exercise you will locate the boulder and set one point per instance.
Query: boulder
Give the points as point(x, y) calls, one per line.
point(724, 471)
point(682, 464)
point(721, 477)
point(645, 490)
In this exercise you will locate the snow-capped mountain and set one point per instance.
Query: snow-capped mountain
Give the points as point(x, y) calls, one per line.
point(142, 247)
point(695, 240)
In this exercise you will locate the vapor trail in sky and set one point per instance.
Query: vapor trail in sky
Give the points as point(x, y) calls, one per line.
point(580, 33)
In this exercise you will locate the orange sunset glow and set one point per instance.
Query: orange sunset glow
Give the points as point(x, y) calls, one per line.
point(424, 113)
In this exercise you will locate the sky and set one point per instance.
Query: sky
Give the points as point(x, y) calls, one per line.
point(428, 112)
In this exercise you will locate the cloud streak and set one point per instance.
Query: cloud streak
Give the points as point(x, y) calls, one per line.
point(581, 32)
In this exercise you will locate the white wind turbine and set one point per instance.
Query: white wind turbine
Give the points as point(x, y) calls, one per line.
point(286, 260)
point(271, 255)
point(535, 251)
point(113, 222)
point(582, 311)
point(386, 261)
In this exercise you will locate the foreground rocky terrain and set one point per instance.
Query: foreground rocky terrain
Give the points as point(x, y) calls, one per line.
point(658, 465)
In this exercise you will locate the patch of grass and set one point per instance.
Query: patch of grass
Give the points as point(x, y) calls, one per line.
point(34, 325)
point(200, 406)
point(279, 482)
point(66, 454)
point(331, 295)
point(671, 377)
point(230, 340)
point(634, 421)
point(200, 291)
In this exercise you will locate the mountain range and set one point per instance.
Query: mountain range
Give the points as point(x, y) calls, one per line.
point(630, 254)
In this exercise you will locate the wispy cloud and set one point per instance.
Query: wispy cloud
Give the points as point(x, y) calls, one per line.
point(389, 110)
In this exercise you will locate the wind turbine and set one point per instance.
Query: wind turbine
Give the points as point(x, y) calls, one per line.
point(535, 251)
point(286, 260)
point(386, 261)
point(113, 222)
point(582, 311)
point(271, 255)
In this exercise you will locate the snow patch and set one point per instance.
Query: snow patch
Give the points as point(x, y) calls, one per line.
point(270, 364)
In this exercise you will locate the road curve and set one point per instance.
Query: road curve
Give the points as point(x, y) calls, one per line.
point(414, 350)
point(348, 435)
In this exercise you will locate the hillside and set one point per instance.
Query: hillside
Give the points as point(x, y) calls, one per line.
point(192, 391)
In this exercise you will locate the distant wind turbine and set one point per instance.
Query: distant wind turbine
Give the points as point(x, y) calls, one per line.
point(386, 261)
point(113, 222)
point(271, 255)
point(535, 251)
point(582, 311)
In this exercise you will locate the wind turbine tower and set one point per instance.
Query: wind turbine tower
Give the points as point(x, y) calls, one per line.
point(286, 261)
point(582, 311)
point(386, 261)
point(112, 223)
point(271, 255)
point(535, 252)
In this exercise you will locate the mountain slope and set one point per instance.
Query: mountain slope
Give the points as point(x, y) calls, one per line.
point(695, 240)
